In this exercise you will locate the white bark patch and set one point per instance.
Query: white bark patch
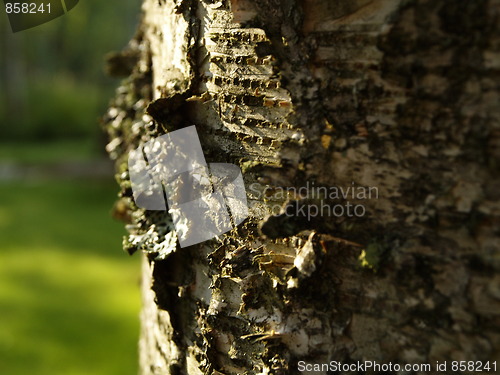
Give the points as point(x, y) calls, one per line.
point(306, 257)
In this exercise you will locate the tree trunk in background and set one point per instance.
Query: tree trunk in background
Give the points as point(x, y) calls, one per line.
point(401, 96)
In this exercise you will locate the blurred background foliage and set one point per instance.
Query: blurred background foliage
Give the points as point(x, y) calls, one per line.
point(69, 295)
point(53, 83)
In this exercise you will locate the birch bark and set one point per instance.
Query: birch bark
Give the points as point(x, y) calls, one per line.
point(398, 96)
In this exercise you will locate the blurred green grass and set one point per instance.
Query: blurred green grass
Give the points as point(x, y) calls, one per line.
point(69, 296)
point(53, 151)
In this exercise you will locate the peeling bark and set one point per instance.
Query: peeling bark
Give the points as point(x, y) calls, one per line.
point(398, 95)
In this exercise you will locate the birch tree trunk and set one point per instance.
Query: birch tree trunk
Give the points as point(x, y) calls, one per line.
point(397, 101)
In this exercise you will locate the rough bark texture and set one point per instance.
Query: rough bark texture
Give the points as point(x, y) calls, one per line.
point(398, 95)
